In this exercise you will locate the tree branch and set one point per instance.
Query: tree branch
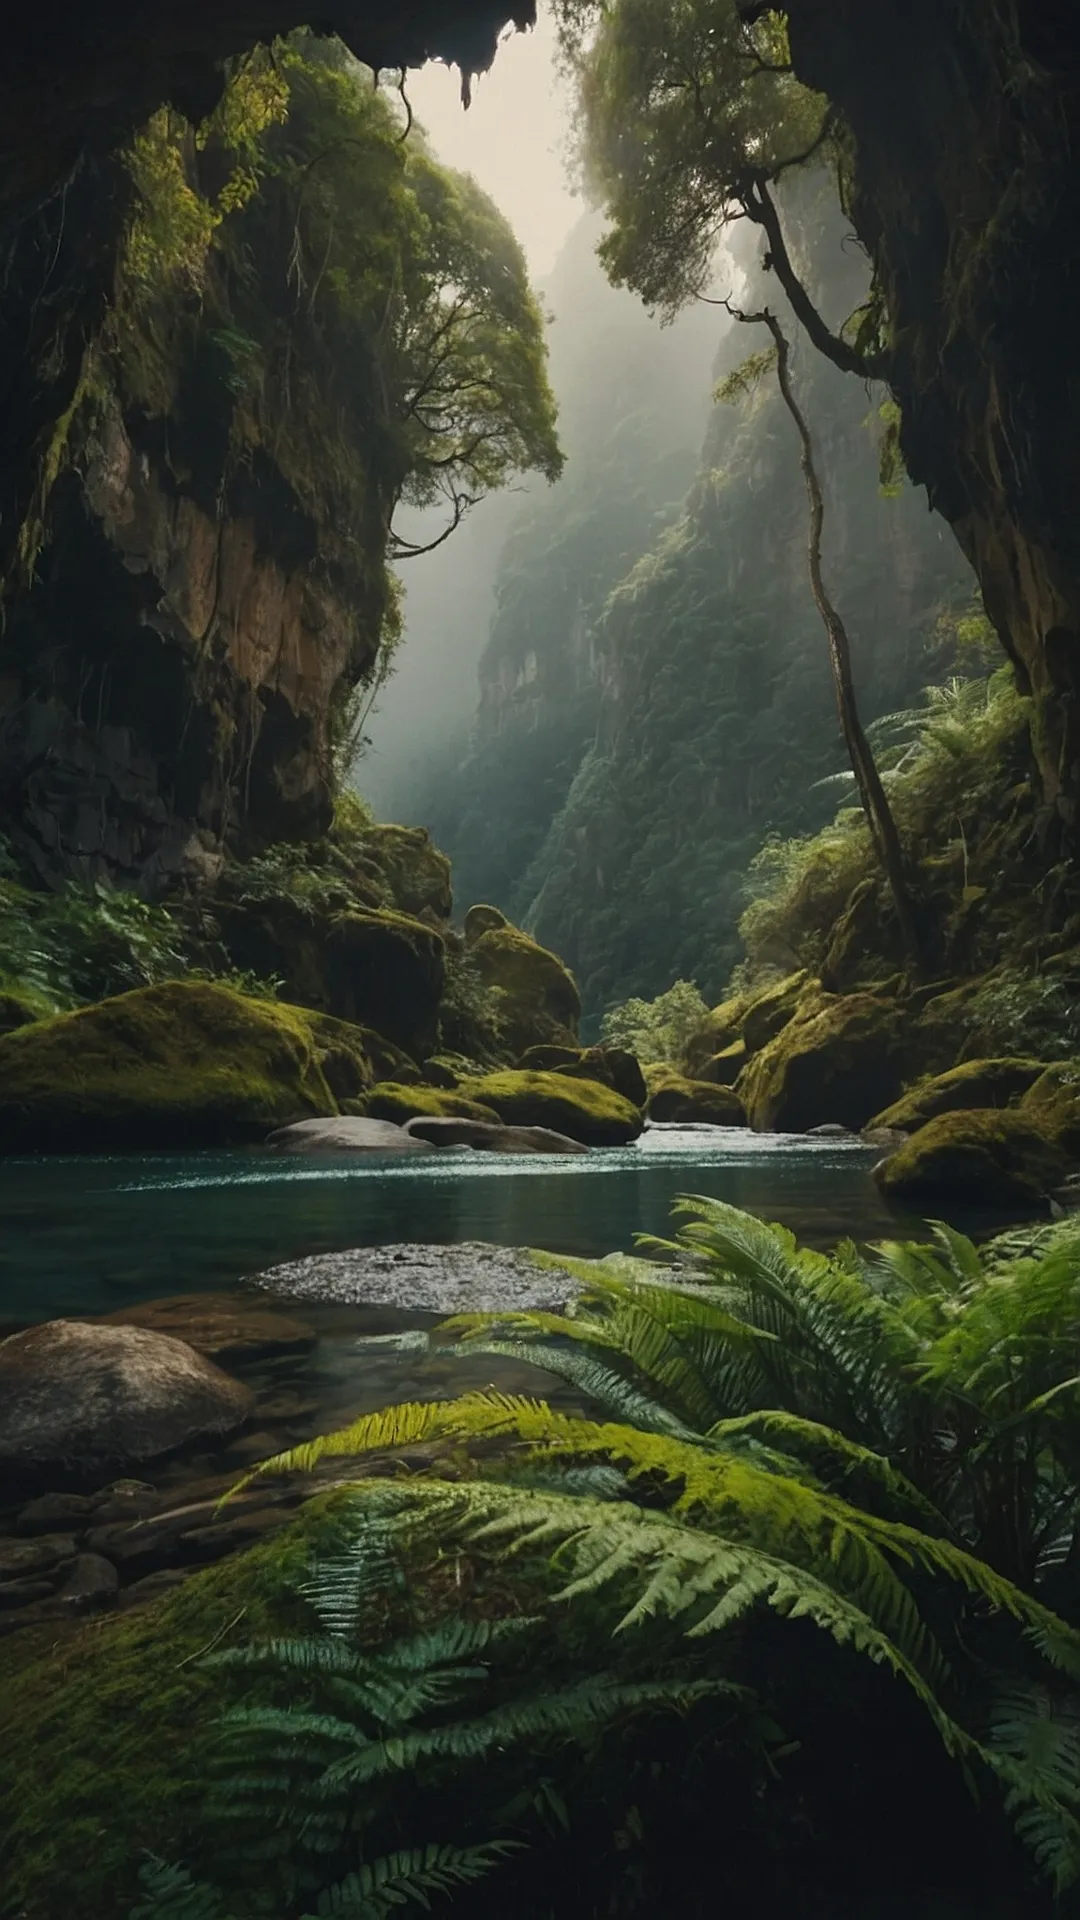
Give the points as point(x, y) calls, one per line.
point(761, 208)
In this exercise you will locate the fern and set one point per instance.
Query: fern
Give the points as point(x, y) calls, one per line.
point(415, 1875)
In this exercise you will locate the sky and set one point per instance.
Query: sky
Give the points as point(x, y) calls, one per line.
point(512, 138)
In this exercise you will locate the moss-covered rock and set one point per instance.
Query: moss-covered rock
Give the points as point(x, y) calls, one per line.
point(185, 1063)
point(20, 1006)
point(613, 1066)
point(482, 919)
point(723, 1069)
point(1053, 1103)
point(417, 874)
point(984, 1157)
point(722, 1029)
point(696, 1102)
point(386, 970)
point(837, 1059)
point(391, 1102)
point(977, 1083)
point(767, 1013)
point(583, 1109)
point(538, 1000)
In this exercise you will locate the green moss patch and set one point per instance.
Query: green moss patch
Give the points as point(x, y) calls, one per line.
point(583, 1109)
point(538, 999)
point(983, 1157)
point(183, 1063)
point(389, 1101)
point(696, 1102)
point(836, 1060)
point(977, 1083)
point(1053, 1104)
point(386, 970)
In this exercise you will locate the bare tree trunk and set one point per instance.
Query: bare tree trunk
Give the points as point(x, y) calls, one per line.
point(875, 802)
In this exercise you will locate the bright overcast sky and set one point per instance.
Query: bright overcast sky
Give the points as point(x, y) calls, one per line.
point(511, 140)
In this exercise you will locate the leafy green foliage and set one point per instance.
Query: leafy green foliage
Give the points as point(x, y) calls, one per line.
point(85, 942)
point(657, 1029)
point(685, 104)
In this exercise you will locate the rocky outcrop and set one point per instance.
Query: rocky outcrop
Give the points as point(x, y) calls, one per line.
point(583, 1109)
point(182, 1064)
point(835, 1059)
point(614, 1067)
point(79, 1399)
point(985, 1158)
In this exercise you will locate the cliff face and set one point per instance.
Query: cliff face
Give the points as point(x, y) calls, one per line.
point(173, 670)
point(966, 122)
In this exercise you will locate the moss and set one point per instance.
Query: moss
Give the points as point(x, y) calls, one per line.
point(977, 1083)
point(391, 1102)
point(1053, 1104)
point(836, 1060)
point(722, 1029)
point(386, 970)
point(19, 1006)
point(183, 1063)
point(417, 874)
point(986, 1157)
point(481, 919)
point(103, 1728)
point(583, 1109)
point(614, 1067)
point(767, 1013)
point(697, 1102)
point(723, 1069)
point(538, 999)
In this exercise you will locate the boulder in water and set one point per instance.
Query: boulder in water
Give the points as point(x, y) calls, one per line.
point(491, 1137)
point(348, 1133)
point(832, 1060)
point(583, 1109)
point(695, 1102)
point(77, 1399)
point(987, 1157)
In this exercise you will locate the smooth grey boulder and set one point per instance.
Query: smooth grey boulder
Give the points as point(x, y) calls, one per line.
point(78, 1399)
point(488, 1136)
point(348, 1133)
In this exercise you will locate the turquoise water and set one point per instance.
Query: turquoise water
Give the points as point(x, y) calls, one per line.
point(91, 1235)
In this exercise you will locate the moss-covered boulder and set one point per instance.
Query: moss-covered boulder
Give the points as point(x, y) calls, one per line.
point(722, 1029)
point(482, 919)
point(723, 1069)
point(386, 970)
point(538, 1000)
point(838, 1059)
point(696, 1102)
point(388, 1101)
point(583, 1109)
point(417, 875)
point(977, 1083)
point(767, 1013)
point(185, 1063)
point(1053, 1103)
point(986, 1157)
point(613, 1066)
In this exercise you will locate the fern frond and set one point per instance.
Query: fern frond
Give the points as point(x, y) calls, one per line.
point(412, 1875)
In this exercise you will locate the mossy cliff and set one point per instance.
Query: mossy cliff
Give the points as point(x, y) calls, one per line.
point(199, 577)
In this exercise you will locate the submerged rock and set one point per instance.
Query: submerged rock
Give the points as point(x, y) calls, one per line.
point(348, 1133)
point(977, 1083)
point(186, 1063)
point(584, 1109)
point(220, 1326)
point(983, 1157)
point(491, 1137)
point(77, 1399)
point(833, 1060)
point(471, 1277)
